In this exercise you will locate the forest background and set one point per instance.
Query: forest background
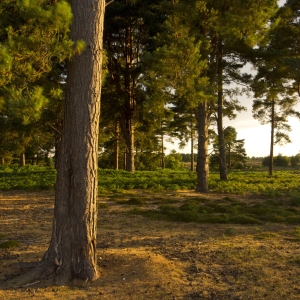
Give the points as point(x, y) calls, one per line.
point(157, 69)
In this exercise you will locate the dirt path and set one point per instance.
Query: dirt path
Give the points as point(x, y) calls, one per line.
point(140, 258)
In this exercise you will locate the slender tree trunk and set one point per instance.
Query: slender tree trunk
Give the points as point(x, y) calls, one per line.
point(222, 153)
point(272, 138)
point(2, 161)
point(22, 159)
point(129, 106)
point(192, 147)
point(202, 159)
point(229, 157)
point(163, 165)
point(117, 139)
point(72, 250)
point(125, 159)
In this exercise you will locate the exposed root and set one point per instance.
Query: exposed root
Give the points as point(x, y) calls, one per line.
point(28, 284)
point(34, 276)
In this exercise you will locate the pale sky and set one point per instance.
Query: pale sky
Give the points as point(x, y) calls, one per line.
point(257, 137)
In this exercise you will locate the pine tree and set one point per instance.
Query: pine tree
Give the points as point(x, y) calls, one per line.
point(33, 37)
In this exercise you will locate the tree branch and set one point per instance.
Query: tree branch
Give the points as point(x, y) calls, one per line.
point(110, 2)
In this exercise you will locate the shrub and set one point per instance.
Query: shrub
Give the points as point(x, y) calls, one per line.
point(281, 161)
point(295, 160)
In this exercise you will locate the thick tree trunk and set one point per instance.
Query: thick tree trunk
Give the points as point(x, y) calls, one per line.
point(272, 138)
point(22, 159)
point(202, 158)
point(222, 153)
point(72, 250)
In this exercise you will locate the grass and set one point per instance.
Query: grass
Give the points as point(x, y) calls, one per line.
point(9, 244)
point(285, 183)
point(224, 210)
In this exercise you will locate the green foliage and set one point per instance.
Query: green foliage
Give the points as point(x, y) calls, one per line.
point(33, 34)
point(284, 183)
point(295, 160)
point(173, 161)
point(278, 161)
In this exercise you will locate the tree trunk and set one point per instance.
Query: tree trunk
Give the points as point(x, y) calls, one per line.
point(129, 106)
point(22, 159)
point(125, 159)
point(2, 161)
point(222, 153)
point(192, 147)
point(163, 165)
point(229, 157)
point(117, 139)
point(272, 138)
point(202, 158)
point(72, 250)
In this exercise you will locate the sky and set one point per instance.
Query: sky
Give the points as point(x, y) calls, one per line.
point(257, 137)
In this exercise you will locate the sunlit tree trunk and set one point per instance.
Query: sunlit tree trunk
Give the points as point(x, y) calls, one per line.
point(202, 158)
point(129, 106)
point(272, 138)
point(22, 159)
point(163, 165)
point(222, 153)
point(72, 250)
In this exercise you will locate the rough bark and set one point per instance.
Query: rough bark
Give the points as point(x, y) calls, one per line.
point(272, 138)
point(222, 153)
point(72, 250)
point(202, 157)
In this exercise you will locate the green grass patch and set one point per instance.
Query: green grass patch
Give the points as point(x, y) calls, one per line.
point(266, 235)
point(132, 201)
point(222, 211)
point(9, 244)
point(102, 205)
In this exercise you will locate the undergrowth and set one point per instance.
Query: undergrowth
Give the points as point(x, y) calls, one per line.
point(284, 183)
point(224, 211)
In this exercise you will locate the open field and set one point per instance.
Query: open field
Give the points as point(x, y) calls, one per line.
point(145, 253)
